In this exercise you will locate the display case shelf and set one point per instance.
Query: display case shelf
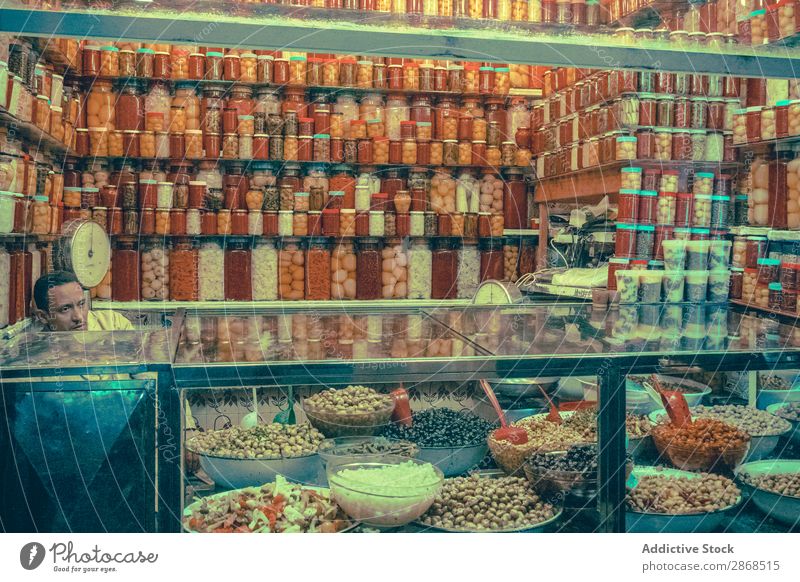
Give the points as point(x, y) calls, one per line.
point(306, 164)
point(273, 27)
point(315, 89)
point(752, 307)
point(652, 14)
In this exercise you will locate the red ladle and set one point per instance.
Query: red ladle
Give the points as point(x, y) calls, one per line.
point(516, 435)
point(402, 406)
point(552, 416)
point(674, 403)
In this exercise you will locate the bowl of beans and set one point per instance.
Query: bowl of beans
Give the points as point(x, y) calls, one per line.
point(489, 503)
point(570, 472)
point(452, 440)
point(352, 411)
point(776, 390)
point(765, 429)
point(790, 412)
point(239, 457)
point(664, 500)
point(774, 488)
point(704, 444)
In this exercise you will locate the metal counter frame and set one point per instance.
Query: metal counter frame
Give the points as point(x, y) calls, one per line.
point(611, 369)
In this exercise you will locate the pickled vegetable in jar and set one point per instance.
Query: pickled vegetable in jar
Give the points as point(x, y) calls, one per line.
point(343, 275)
point(318, 277)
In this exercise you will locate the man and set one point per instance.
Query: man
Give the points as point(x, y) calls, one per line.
point(60, 305)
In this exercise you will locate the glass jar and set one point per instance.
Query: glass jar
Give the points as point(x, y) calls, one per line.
point(318, 267)
point(343, 271)
point(444, 269)
point(238, 272)
point(211, 272)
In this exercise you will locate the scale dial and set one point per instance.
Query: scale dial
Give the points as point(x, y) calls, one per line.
point(84, 250)
point(497, 293)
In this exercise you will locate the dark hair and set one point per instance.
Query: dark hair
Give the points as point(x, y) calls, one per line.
point(41, 290)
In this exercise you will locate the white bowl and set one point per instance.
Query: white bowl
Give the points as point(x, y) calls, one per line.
point(781, 507)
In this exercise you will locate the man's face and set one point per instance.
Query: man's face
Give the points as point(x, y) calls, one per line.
point(68, 308)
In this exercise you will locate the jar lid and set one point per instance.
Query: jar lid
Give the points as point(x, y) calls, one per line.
point(246, 117)
point(668, 194)
point(645, 227)
point(754, 109)
point(165, 183)
point(322, 136)
point(92, 47)
point(760, 12)
point(705, 175)
point(623, 226)
point(629, 191)
point(769, 262)
point(196, 183)
point(40, 198)
point(487, 69)
point(670, 173)
point(626, 138)
point(91, 189)
point(721, 198)
point(655, 265)
point(619, 260)
point(757, 238)
point(775, 287)
point(301, 194)
point(648, 193)
point(700, 231)
point(737, 269)
point(265, 58)
point(297, 58)
point(502, 69)
point(415, 123)
point(336, 193)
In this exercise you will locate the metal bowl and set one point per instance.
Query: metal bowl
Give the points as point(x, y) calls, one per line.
point(549, 482)
point(335, 450)
point(541, 527)
point(235, 473)
point(761, 447)
point(794, 433)
point(781, 507)
point(521, 387)
point(645, 522)
point(454, 461)
point(767, 398)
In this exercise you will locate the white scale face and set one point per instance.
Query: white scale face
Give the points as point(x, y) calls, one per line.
point(86, 251)
point(497, 293)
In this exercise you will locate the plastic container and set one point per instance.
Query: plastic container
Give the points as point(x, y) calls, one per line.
point(768, 271)
point(696, 286)
point(628, 204)
point(648, 207)
point(674, 254)
point(718, 255)
point(628, 286)
point(625, 245)
point(718, 286)
point(697, 255)
point(673, 286)
point(650, 283)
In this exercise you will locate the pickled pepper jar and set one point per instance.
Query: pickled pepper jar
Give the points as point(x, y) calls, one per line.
point(125, 281)
point(238, 279)
point(515, 200)
point(184, 271)
point(368, 269)
point(318, 273)
point(491, 259)
point(444, 270)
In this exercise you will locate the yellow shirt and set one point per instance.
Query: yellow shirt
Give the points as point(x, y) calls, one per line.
point(105, 320)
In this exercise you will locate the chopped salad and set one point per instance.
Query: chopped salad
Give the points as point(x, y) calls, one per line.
point(279, 507)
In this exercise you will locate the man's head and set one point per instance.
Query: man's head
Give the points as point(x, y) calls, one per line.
point(60, 303)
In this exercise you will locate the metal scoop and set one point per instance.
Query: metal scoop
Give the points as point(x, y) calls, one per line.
point(514, 434)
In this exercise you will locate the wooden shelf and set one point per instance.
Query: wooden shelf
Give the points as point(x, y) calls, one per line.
point(605, 179)
point(35, 137)
point(750, 306)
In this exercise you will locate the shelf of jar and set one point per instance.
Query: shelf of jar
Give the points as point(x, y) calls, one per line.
point(651, 14)
point(53, 54)
point(274, 27)
point(779, 312)
point(338, 89)
point(113, 159)
point(774, 234)
point(605, 179)
point(296, 238)
point(764, 145)
point(33, 135)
